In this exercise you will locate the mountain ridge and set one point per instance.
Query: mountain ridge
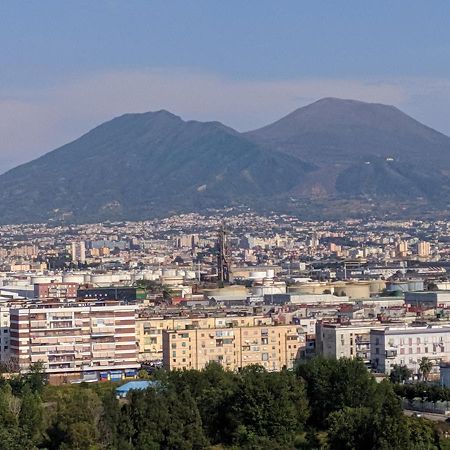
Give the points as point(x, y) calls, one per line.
point(139, 165)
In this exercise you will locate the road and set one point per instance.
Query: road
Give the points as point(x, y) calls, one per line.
point(427, 415)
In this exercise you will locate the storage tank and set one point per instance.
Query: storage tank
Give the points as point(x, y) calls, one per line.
point(43, 279)
point(257, 275)
point(377, 286)
point(169, 273)
point(73, 278)
point(152, 276)
point(227, 290)
point(353, 289)
point(101, 279)
point(190, 275)
point(415, 285)
point(117, 277)
point(394, 286)
point(310, 288)
point(270, 273)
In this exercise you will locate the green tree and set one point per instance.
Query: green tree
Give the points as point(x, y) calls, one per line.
point(163, 419)
point(15, 439)
point(351, 428)
point(270, 405)
point(31, 414)
point(400, 374)
point(36, 377)
point(425, 367)
point(335, 384)
point(75, 424)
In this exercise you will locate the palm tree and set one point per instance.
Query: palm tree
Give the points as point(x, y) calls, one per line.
point(425, 367)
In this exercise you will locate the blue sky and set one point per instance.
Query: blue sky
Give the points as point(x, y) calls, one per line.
point(66, 66)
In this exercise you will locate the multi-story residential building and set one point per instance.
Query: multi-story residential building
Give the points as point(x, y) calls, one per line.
point(75, 341)
point(335, 340)
point(78, 251)
point(149, 330)
point(273, 347)
point(4, 334)
point(407, 346)
point(423, 249)
point(55, 290)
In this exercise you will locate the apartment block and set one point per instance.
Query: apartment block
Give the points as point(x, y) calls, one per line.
point(75, 340)
point(4, 334)
point(407, 347)
point(55, 290)
point(335, 340)
point(273, 347)
point(149, 330)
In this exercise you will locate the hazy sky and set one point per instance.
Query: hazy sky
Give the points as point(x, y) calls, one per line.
point(66, 66)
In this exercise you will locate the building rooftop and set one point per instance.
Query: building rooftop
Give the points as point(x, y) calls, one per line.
point(136, 385)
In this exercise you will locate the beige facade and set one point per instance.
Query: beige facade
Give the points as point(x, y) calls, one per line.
point(149, 330)
point(72, 340)
point(272, 346)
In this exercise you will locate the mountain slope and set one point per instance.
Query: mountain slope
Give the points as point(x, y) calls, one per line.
point(347, 129)
point(330, 159)
point(140, 165)
point(362, 149)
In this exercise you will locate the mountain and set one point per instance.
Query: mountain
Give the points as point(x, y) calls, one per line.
point(142, 165)
point(362, 149)
point(333, 158)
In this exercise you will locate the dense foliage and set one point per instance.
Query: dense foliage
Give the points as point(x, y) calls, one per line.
point(324, 404)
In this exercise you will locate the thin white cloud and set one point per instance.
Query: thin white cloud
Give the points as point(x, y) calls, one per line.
point(35, 121)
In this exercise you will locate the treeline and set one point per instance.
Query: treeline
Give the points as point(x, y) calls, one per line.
point(324, 404)
point(423, 391)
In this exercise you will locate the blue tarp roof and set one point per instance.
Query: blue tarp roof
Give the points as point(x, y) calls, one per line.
point(138, 385)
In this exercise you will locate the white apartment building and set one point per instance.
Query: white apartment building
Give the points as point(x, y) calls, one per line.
point(4, 334)
point(348, 340)
point(407, 346)
point(334, 340)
